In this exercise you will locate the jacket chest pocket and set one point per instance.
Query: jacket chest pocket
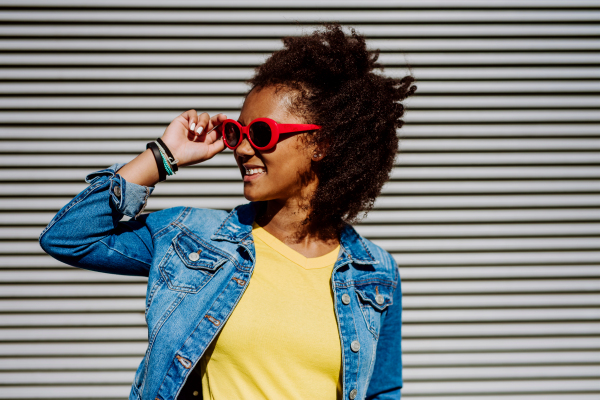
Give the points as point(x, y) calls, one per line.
point(374, 299)
point(189, 264)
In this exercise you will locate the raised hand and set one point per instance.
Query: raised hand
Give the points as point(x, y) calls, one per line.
point(187, 139)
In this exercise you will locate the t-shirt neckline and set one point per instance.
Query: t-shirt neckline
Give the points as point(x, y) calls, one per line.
point(305, 262)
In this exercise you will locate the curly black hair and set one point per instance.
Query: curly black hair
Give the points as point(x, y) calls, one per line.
point(332, 79)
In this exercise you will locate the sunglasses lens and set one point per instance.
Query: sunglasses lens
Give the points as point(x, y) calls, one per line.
point(232, 134)
point(260, 133)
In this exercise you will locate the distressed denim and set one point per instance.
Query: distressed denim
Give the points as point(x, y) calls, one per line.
point(199, 262)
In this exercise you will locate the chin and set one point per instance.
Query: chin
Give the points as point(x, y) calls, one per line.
point(251, 195)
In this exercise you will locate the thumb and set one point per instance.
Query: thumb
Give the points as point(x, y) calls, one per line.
point(214, 148)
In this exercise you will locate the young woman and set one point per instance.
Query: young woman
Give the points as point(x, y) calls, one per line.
point(280, 298)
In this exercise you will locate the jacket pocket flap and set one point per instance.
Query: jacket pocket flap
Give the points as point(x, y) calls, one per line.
point(196, 255)
point(377, 295)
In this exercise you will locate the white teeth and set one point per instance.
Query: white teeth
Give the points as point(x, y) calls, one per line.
point(253, 171)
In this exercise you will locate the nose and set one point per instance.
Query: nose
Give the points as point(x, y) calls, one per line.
point(245, 149)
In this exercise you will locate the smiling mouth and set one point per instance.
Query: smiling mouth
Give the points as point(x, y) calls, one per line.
point(254, 171)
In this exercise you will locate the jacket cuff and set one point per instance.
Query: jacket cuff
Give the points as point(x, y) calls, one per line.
point(128, 198)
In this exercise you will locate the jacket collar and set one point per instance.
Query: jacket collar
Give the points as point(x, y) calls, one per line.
point(238, 226)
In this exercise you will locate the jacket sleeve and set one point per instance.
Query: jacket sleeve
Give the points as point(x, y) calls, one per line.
point(386, 380)
point(88, 232)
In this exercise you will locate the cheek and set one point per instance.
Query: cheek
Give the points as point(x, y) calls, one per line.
point(288, 164)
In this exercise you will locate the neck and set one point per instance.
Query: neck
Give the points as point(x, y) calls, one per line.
point(283, 219)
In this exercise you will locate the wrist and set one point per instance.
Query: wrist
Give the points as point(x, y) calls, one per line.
point(171, 147)
point(161, 168)
point(165, 162)
point(168, 157)
point(141, 170)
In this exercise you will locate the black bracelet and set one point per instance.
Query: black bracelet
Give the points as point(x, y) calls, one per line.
point(162, 172)
point(164, 146)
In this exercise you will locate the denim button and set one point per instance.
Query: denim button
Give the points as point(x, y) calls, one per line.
point(352, 394)
point(379, 299)
point(355, 346)
point(195, 393)
point(194, 256)
point(346, 299)
point(117, 191)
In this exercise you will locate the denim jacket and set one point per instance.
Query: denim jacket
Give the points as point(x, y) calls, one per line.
point(199, 262)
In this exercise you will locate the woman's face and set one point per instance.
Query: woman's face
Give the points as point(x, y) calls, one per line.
point(282, 172)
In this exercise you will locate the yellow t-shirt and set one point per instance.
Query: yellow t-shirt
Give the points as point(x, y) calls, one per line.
point(281, 340)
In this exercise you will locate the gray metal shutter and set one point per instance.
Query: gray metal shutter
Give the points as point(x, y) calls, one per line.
point(492, 212)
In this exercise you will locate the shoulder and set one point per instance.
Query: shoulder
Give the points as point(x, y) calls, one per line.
point(386, 262)
point(199, 218)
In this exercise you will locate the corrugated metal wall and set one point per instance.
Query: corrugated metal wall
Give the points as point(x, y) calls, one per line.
point(492, 212)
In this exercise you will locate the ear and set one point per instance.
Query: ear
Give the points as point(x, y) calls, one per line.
point(318, 156)
point(319, 152)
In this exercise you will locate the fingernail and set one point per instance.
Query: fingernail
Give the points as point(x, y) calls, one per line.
point(192, 126)
point(199, 130)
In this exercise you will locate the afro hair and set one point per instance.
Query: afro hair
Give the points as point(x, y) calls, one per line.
point(332, 78)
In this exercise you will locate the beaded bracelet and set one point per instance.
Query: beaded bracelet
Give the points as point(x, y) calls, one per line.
point(166, 163)
point(171, 158)
point(164, 160)
point(169, 162)
point(162, 172)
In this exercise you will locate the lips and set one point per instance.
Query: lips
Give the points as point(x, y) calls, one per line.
point(252, 170)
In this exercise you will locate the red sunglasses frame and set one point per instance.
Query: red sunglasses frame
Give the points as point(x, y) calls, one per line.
point(276, 130)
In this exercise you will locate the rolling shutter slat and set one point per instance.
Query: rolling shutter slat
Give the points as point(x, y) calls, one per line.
point(491, 211)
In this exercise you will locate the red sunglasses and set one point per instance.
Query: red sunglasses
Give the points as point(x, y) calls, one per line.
point(262, 133)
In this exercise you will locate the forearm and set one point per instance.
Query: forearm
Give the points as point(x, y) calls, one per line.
point(142, 170)
point(87, 232)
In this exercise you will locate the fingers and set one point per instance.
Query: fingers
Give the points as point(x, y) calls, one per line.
point(203, 120)
point(202, 123)
point(215, 120)
point(191, 116)
point(209, 141)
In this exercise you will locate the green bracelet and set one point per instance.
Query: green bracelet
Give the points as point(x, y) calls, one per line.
point(167, 166)
point(165, 159)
